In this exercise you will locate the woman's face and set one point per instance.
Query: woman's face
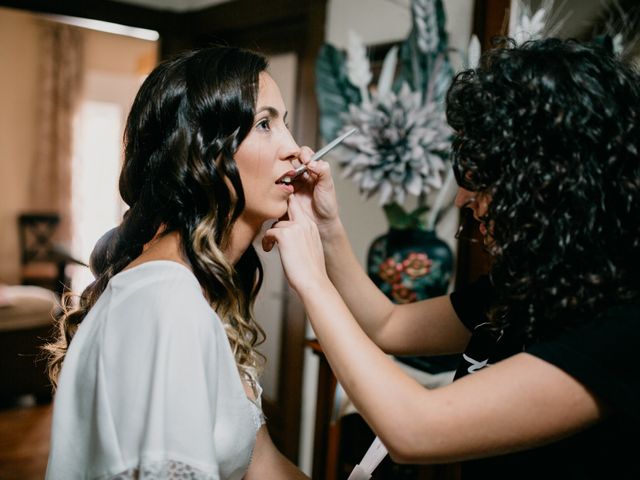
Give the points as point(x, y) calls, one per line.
point(265, 156)
point(478, 203)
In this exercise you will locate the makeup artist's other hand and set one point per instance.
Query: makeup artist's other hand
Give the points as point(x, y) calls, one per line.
point(316, 192)
point(300, 248)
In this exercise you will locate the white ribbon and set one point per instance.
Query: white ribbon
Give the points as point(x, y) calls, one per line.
point(376, 453)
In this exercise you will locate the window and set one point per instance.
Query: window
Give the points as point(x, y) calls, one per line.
point(96, 206)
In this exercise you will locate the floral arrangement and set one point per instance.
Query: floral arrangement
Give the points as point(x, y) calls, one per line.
point(526, 24)
point(617, 29)
point(402, 144)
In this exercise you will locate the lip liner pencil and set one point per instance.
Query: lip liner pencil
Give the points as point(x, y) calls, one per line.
point(324, 150)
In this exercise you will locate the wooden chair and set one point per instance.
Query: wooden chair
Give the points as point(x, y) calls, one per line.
point(43, 261)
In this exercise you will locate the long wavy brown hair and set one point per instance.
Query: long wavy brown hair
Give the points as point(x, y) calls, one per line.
point(186, 122)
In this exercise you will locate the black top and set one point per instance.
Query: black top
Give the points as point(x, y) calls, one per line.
point(600, 354)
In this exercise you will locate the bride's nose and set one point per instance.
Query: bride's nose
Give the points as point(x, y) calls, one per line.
point(290, 150)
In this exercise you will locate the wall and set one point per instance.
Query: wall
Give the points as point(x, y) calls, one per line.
point(106, 54)
point(18, 68)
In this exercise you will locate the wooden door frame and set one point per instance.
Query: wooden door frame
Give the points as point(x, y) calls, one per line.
point(278, 26)
point(490, 18)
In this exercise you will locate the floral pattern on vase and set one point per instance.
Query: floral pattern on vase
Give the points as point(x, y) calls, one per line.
point(409, 265)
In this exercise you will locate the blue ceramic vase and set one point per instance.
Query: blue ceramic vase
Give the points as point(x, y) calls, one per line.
point(411, 265)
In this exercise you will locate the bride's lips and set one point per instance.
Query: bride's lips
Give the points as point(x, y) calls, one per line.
point(287, 178)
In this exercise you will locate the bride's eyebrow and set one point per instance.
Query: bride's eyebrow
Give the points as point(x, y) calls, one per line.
point(273, 112)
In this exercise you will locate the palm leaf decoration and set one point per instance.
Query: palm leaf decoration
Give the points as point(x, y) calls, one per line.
point(334, 91)
point(423, 64)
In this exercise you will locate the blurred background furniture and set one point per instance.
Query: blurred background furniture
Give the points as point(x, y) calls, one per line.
point(26, 321)
point(43, 261)
point(342, 437)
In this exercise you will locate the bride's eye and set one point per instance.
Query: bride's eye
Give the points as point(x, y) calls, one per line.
point(264, 124)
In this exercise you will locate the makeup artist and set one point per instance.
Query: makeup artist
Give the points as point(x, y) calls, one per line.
point(546, 154)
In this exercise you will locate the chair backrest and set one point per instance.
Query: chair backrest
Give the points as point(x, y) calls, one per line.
point(36, 231)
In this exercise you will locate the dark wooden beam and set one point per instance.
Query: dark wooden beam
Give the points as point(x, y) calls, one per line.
point(490, 18)
point(104, 10)
point(248, 14)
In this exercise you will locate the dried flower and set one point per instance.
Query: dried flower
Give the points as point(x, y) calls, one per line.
point(533, 25)
point(399, 148)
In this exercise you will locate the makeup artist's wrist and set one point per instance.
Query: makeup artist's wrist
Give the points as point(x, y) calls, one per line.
point(314, 289)
point(331, 229)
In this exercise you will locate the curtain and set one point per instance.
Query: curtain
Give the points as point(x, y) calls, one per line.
point(59, 88)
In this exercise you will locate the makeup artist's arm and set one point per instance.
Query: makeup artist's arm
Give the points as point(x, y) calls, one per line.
point(429, 327)
point(515, 404)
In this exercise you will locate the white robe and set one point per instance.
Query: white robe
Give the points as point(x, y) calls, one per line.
point(149, 387)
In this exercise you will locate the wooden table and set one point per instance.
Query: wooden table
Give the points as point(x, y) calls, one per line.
point(327, 434)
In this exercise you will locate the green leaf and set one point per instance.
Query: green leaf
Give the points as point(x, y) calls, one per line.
point(333, 89)
point(400, 219)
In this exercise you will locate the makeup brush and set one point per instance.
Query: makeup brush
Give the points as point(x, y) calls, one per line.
point(324, 150)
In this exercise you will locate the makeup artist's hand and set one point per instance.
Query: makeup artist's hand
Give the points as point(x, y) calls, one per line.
point(300, 247)
point(315, 191)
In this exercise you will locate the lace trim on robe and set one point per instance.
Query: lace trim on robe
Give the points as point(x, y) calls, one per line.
point(164, 470)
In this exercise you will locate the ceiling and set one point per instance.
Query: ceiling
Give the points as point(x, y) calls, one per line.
point(174, 5)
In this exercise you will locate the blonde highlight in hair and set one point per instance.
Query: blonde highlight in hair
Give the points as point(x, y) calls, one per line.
point(235, 307)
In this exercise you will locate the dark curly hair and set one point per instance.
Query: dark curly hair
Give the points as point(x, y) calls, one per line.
point(186, 123)
point(550, 131)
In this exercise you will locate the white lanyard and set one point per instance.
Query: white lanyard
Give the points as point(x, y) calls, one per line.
point(376, 453)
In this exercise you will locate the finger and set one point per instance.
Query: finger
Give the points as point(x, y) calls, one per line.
point(320, 170)
point(305, 155)
point(272, 236)
point(268, 243)
point(296, 212)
